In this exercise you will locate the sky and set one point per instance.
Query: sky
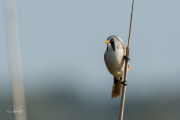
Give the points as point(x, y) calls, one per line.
point(62, 45)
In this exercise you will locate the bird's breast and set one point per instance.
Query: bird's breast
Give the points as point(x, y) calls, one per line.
point(114, 62)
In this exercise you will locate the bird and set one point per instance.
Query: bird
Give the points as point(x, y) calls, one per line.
point(114, 58)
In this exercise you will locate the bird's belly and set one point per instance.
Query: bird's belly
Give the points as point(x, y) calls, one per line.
point(114, 64)
point(116, 71)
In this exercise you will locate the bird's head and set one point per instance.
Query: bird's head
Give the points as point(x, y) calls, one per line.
point(114, 42)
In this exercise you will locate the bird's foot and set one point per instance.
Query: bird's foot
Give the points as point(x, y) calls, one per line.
point(126, 58)
point(124, 83)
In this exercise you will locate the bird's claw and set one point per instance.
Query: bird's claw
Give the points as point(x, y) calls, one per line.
point(126, 58)
point(124, 83)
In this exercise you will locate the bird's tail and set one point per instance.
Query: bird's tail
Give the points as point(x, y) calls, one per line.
point(117, 88)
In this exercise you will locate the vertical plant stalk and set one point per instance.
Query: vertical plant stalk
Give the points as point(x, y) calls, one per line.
point(14, 59)
point(125, 71)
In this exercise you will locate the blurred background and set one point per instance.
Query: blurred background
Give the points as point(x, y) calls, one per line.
point(62, 45)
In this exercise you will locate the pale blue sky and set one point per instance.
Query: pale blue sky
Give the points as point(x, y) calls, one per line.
point(61, 40)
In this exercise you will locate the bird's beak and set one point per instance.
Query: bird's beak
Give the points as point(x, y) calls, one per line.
point(107, 42)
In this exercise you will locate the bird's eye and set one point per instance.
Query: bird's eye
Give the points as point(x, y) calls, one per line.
point(112, 44)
